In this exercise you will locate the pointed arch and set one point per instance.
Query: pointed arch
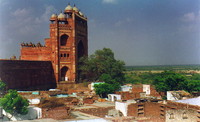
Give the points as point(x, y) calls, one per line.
point(64, 71)
point(63, 40)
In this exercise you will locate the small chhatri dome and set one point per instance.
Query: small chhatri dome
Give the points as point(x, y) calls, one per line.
point(75, 8)
point(80, 13)
point(68, 8)
point(61, 16)
point(53, 16)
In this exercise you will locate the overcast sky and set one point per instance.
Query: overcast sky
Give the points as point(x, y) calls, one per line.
point(140, 32)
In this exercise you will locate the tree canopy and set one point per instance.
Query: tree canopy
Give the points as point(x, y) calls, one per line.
point(102, 62)
point(2, 85)
point(104, 89)
point(169, 81)
point(102, 66)
point(2, 88)
point(14, 103)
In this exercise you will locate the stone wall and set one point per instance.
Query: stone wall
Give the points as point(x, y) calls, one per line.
point(136, 89)
point(58, 113)
point(181, 115)
point(36, 53)
point(100, 111)
point(181, 112)
point(128, 95)
point(27, 75)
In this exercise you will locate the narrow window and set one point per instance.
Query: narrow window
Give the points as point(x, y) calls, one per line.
point(63, 40)
point(184, 115)
point(171, 116)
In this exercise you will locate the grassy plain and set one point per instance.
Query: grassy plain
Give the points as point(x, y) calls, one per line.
point(185, 69)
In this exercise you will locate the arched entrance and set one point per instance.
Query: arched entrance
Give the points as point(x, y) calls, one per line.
point(64, 76)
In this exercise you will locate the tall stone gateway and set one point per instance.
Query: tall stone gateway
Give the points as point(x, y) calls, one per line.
point(67, 43)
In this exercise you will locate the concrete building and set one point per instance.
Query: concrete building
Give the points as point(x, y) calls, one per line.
point(126, 88)
point(114, 97)
point(177, 95)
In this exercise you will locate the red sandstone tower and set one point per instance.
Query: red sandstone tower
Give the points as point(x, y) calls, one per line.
point(67, 43)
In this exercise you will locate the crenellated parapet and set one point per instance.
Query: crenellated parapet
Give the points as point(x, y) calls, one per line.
point(32, 44)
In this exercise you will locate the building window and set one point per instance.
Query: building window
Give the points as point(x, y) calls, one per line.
point(171, 116)
point(184, 115)
point(61, 55)
point(67, 55)
point(64, 55)
point(63, 40)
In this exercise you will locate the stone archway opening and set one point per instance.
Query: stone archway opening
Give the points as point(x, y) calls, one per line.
point(63, 40)
point(64, 76)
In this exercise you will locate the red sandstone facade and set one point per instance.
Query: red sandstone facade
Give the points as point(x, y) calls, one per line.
point(67, 43)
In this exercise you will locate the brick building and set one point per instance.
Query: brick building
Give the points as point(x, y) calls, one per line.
point(68, 42)
point(139, 91)
point(167, 111)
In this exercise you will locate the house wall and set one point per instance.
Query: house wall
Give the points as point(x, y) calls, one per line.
point(58, 113)
point(114, 97)
point(122, 106)
point(126, 88)
point(170, 96)
point(169, 112)
point(181, 115)
point(128, 95)
point(146, 88)
point(100, 111)
point(177, 109)
point(146, 109)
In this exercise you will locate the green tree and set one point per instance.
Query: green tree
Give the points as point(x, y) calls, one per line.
point(2, 85)
point(132, 78)
point(193, 85)
point(195, 77)
point(102, 62)
point(2, 88)
point(14, 103)
point(104, 89)
point(168, 81)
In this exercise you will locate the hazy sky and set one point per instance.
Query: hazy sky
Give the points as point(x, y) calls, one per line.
point(140, 32)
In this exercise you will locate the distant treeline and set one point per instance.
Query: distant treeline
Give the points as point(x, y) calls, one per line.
point(163, 67)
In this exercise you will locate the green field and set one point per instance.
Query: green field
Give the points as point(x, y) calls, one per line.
point(163, 67)
point(147, 74)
